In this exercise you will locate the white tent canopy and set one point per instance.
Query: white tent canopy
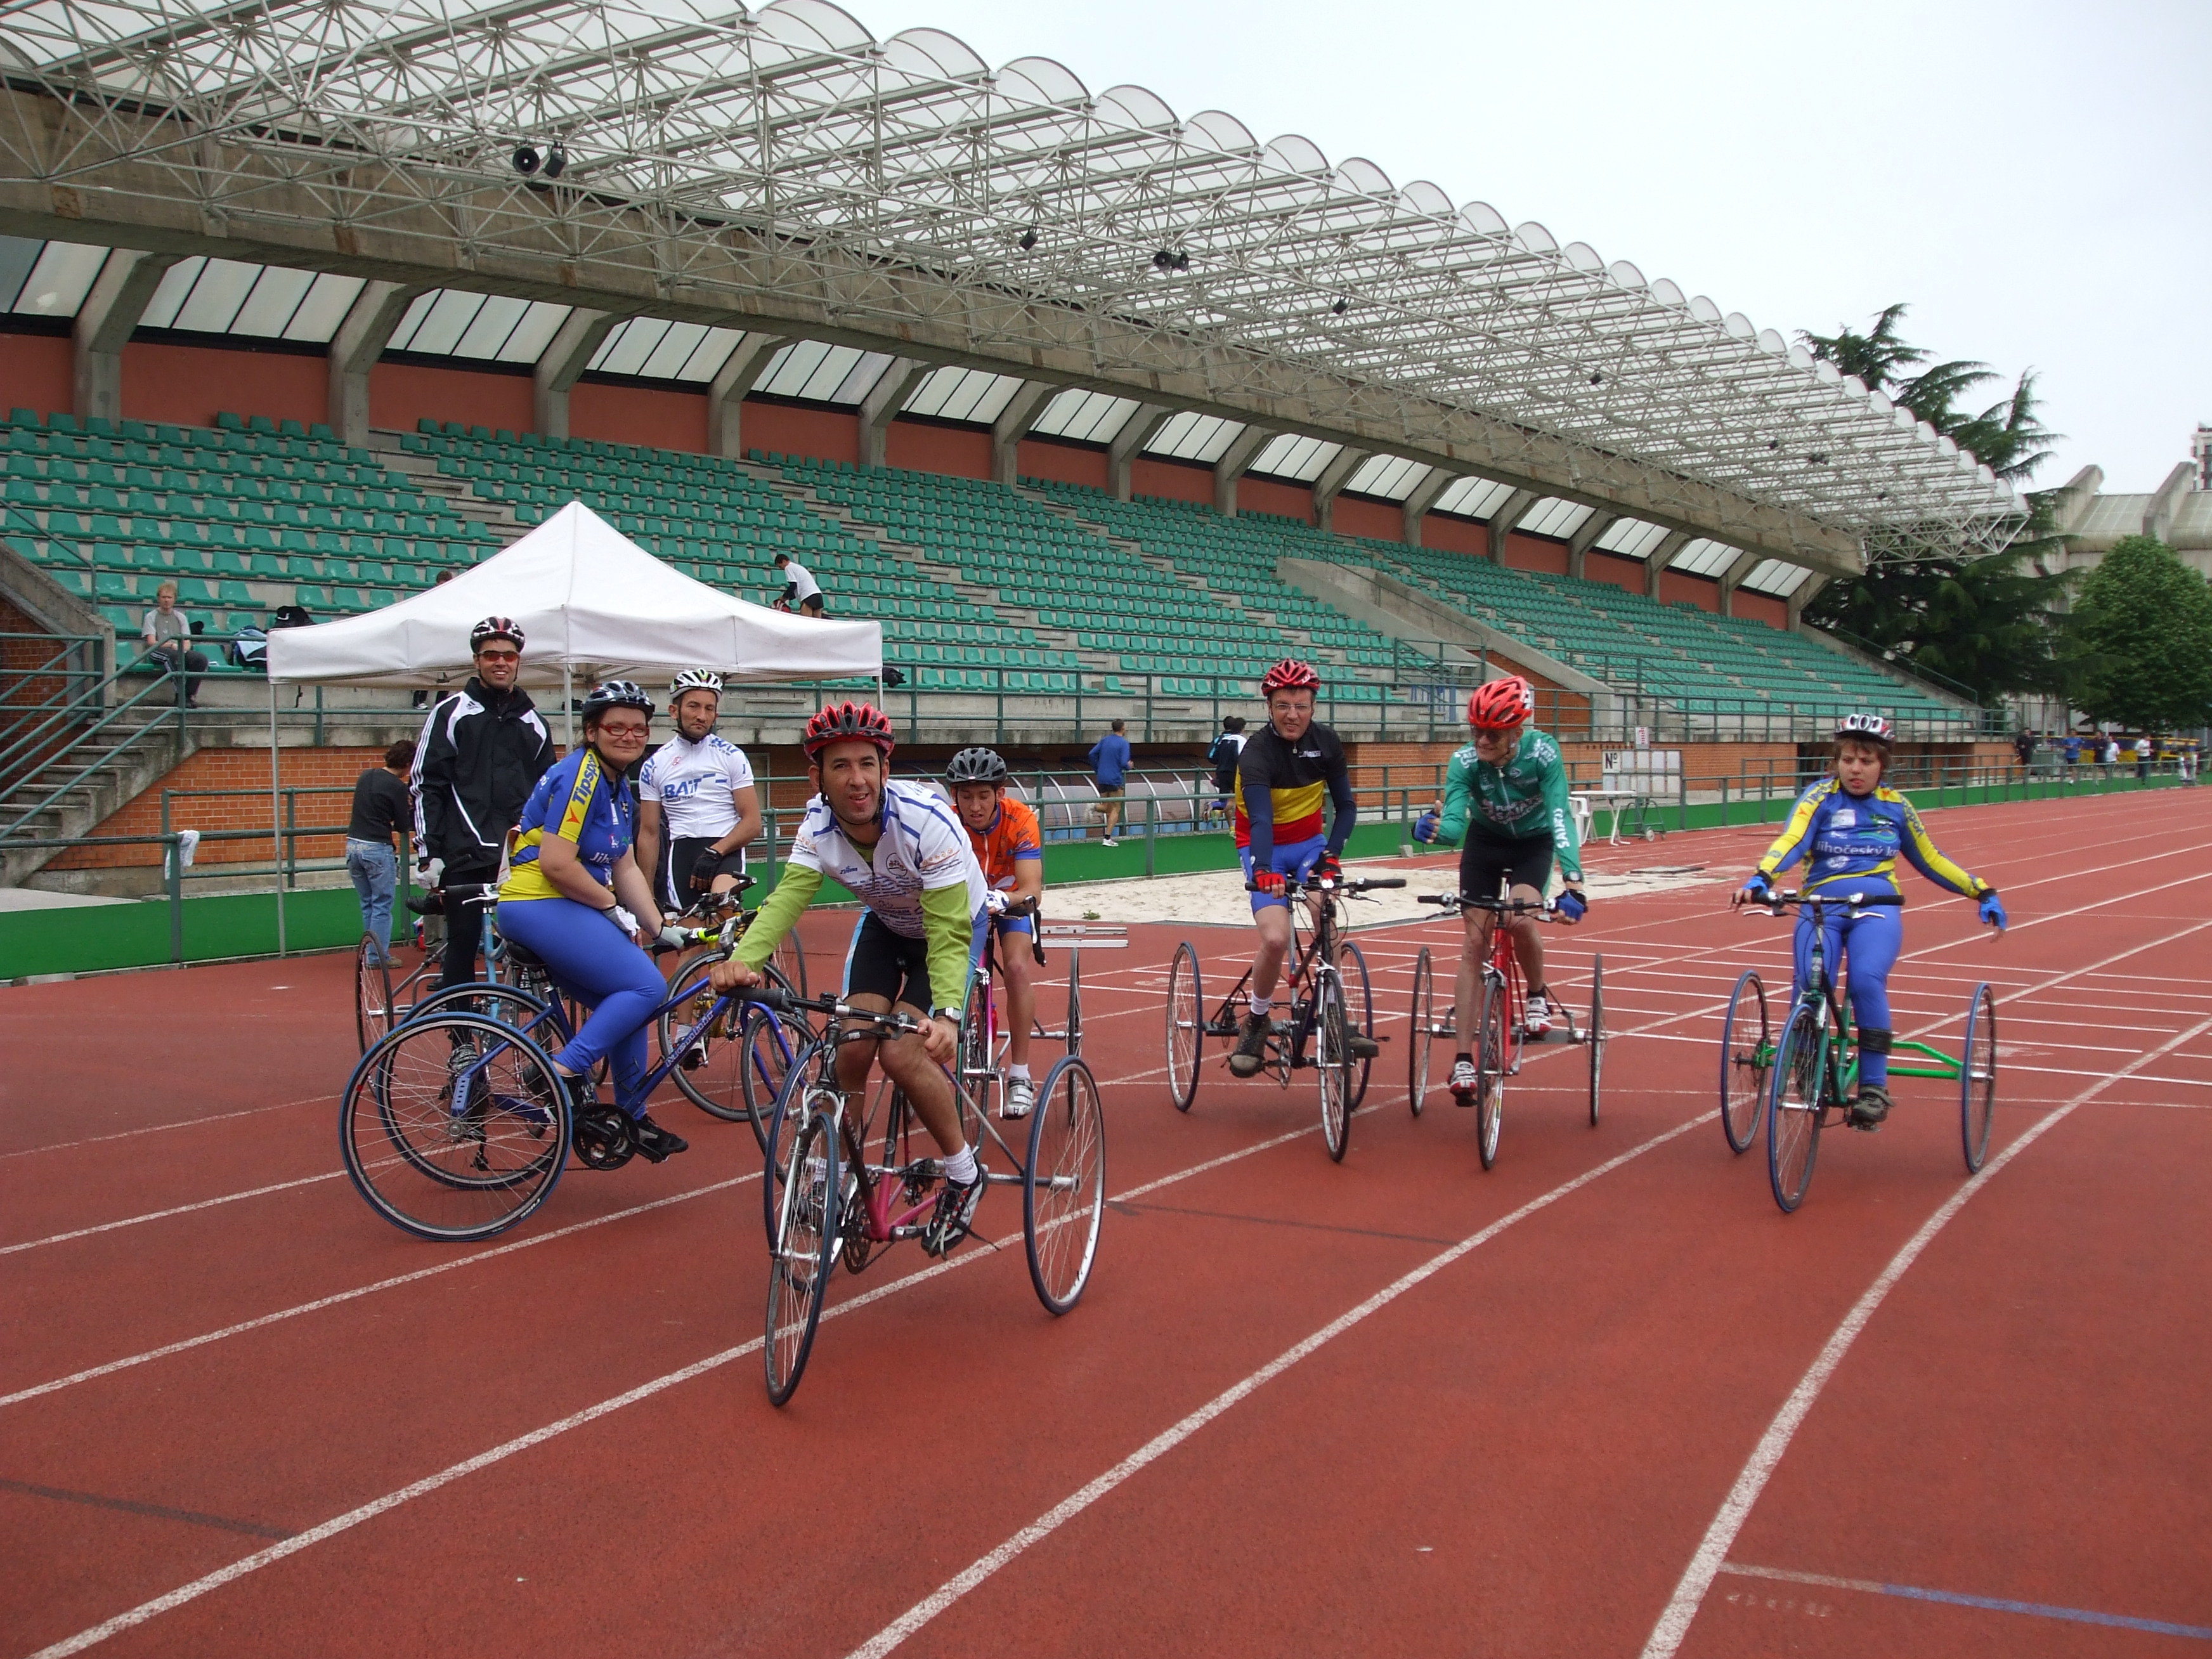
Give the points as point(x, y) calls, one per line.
point(593, 605)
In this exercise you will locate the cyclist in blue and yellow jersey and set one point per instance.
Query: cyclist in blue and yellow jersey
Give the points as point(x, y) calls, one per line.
point(574, 898)
point(1506, 793)
point(1284, 772)
point(1850, 828)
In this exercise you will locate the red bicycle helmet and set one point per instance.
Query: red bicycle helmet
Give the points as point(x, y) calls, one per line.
point(1501, 704)
point(1290, 675)
point(839, 721)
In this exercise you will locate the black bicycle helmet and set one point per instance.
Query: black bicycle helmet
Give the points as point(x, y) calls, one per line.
point(617, 694)
point(976, 766)
point(838, 721)
point(494, 628)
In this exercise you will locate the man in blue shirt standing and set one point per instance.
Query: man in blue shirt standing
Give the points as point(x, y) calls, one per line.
point(1109, 762)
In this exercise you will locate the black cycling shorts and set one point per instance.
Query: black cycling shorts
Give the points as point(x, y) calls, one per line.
point(1487, 862)
point(886, 965)
point(672, 881)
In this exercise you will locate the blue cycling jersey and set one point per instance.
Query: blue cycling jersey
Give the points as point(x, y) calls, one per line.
point(577, 801)
point(1856, 839)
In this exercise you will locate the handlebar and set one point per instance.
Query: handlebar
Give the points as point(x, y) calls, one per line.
point(1544, 909)
point(1774, 903)
point(1292, 886)
point(783, 1002)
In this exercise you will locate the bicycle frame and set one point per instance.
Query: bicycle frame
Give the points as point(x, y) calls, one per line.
point(1837, 1016)
point(1303, 967)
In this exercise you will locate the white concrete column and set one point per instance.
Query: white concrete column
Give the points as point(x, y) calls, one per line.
point(1579, 544)
point(1656, 560)
point(369, 323)
point(1733, 577)
point(1423, 497)
point(1806, 589)
point(1235, 461)
point(1013, 424)
point(1502, 523)
point(1330, 485)
point(1136, 432)
point(726, 396)
point(2165, 504)
point(118, 299)
point(563, 361)
point(882, 405)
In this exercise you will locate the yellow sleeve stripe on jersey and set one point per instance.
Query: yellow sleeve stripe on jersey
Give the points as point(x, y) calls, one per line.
point(1799, 826)
point(580, 800)
point(1930, 857)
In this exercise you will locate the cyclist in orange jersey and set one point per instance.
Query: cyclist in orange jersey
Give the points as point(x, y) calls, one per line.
point(1010, 847)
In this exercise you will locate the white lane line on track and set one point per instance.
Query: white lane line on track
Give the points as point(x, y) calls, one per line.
point(1158, 1446)
point(163, 1215)
point(182, 1123)
point(146, 1611)
point(338, 1298)
point(1735, 1508)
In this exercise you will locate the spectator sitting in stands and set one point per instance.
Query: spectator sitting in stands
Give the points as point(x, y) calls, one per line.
point(168, 635)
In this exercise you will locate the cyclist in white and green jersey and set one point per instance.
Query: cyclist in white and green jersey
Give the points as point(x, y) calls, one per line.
point(1506, 794)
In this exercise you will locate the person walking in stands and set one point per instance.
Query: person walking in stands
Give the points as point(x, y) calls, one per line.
point(799, 587)
point(1109, 765)
point(482, 751)
point(380, 810)
point(168, 635)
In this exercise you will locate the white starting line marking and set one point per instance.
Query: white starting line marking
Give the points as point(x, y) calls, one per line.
point(163, 1215)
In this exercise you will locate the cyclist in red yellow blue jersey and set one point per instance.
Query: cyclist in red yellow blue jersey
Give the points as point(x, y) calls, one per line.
point(1849, 828)
point(1010, 847)
point(1284, 772)
point(574, 898)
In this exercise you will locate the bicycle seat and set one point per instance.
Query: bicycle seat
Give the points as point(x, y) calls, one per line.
point(521, 954)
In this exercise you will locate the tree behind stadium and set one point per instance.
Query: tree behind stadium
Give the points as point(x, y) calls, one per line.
point(2141, 637)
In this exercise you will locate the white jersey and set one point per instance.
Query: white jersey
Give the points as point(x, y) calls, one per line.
point(922, 845)
point(691, 784)
point(803, 585)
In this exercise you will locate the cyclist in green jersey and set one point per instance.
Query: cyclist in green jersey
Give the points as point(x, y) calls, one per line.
point(1506, 793)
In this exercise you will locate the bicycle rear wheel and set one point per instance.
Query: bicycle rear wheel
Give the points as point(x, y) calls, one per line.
point(455, 1126)
point(1978, 1078)
point(1492, 1060)
point(1064, 1185)
point(371, 990)
point(1596, 1036)
point(1418, 1026)
point(711, 1073)
point(1359, 1006)
point(1333, 1065)
point(1794, 1108)
point(801, 1257)
point(1747, 1055)
point(1186, 1032)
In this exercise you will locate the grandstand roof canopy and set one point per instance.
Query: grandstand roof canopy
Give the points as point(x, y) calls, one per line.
point(781, 170)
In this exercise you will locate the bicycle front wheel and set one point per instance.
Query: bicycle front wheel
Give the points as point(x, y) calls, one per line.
point(790, 1106)
point(805, 1250)
point(371, 990)
point(1747, 1056)
point(709, 1072)
point(769, 1045)
point(1492, 1063)
point(1978, 1078)
point(1418, 1023)
point(1795, 1100)
point(1359, 1004)
point(1185, 1026)
point(1333, 1065)
point(1596, 1035)
point(1064, 1186)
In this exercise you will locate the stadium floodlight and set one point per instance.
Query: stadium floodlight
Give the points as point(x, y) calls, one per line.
point(1029, 239)
point(556, 161)
point(525, 160)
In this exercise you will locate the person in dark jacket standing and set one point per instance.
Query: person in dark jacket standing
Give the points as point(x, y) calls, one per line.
point(482, 751)
point(380, 810)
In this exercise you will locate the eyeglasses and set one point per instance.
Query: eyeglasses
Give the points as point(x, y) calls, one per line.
point(622, 732)
point(499, 656)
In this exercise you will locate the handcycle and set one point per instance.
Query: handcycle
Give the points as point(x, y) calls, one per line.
point(983, 1043)
point(1502, 1029)
point(1332, 1003)
point(824, 1200)
point(1803, 1083)
point(455, 1125)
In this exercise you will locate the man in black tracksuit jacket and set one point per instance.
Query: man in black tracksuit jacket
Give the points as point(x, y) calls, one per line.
point(481, 752)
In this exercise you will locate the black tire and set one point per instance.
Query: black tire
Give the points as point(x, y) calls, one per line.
point(974, 1070)
point(1064, 1185)
point(1978, 1078)
point(372, 991)
point(1333, 1063)
point(448, 1176)
point(787, 1110)
point(1185, 1026)
point(1419, 1024)
point(1746, 1059)
point(771, 1045)
point(1594, 1037)
point(1490, 1063)
point(801, 1256)
point(1797, 1100)
point(715, 1083)
point(1074, 998)
point(1359, 1004)
point(789, 964)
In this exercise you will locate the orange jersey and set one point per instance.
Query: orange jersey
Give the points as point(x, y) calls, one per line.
point(1013, 835)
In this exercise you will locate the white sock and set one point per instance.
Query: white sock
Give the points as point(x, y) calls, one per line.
point(1020, 1073)
point(960, 1166)
point(1262, 1006)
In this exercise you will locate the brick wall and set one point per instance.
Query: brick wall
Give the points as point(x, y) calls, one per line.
point(233, 768)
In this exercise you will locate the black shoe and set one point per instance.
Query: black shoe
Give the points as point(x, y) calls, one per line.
point(1871, 1108)
point(1251, 1052)
point(955, 1215)
point(1363, 1047)
point(659, 1145)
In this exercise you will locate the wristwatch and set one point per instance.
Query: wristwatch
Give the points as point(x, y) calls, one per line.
point(951, 1015)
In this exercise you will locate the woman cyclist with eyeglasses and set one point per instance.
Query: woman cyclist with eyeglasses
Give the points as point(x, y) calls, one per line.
point(1850, 828)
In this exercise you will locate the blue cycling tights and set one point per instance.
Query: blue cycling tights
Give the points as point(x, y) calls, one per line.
point(1867, 947)
point(591, 961)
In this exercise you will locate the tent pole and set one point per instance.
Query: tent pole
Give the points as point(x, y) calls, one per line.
point(276, 816)
point(568, 709)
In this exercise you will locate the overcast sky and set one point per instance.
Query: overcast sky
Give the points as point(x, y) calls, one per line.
point(2030, 178)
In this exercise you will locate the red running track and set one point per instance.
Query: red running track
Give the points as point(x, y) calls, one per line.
point(1394, 1405)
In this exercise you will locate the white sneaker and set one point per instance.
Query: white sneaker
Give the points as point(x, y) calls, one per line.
point(1109, 841)
point(1464, 1082)
point(1021, 1099)
point(1539, 1016)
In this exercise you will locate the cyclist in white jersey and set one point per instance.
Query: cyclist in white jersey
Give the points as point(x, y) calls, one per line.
point(697, 806)
point(899, 849)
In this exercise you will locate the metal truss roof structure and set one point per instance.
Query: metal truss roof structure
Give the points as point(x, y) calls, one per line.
point(781, 170)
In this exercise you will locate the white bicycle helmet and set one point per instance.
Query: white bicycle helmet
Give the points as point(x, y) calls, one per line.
point(693, 679)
